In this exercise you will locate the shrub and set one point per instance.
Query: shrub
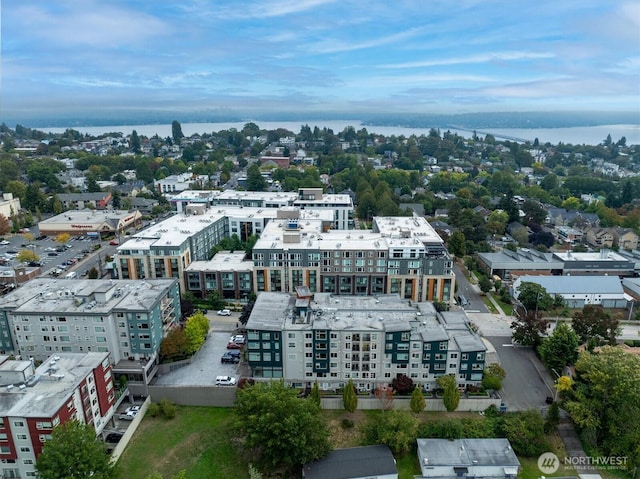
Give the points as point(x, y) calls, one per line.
point(402, 384)
point(347, 423)
point(168, 408)
point(154, 409)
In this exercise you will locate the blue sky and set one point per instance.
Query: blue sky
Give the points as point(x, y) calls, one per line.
point(345, 56)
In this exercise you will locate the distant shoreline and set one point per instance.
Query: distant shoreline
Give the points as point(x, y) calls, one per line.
point(582, 135)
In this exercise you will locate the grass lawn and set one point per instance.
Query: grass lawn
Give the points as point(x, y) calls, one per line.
point(198, 440)
point(489, 304)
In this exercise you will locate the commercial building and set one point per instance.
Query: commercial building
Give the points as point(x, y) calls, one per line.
point(90, 222)
point(369, 339)
point(65, 387)
point(579, 291)
point(9, 205)
point(127, 319)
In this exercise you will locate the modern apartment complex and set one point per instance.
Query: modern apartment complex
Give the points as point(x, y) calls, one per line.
point(400, 255)
point(127, 319)
point(65, 387)
point(340, 205)
point(369, 339)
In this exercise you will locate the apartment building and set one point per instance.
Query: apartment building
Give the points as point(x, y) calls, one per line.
point(177, 183)
point(400, 255)
point(65, 387)
point(127, 319)
point(369, 339)
point(229, 273)
point(166, 249)
point(341, 205)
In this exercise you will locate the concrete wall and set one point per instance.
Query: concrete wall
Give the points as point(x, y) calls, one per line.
point(166, 368)
point(226, 396)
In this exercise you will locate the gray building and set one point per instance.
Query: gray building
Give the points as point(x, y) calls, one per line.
point(467, 458)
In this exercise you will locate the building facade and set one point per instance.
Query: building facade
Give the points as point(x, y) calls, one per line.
point(368, 339)
point(400, 255)
point(91, 222)
point(65, 387)
point(127, 319)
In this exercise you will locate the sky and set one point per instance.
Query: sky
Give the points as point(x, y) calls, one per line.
point(345, 56)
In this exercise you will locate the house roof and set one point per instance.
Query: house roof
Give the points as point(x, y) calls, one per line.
point(467, 452)
point(354, 462)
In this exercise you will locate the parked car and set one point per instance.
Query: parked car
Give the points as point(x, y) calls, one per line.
point(231, 357)
point(128, 416)
point(34, 264)
point(12, 251)
point(132, 408)
point(113, 437)
point(41, 237)
point(225, 381)
point(5, 242)
point(113, 242)
point(52, 253)
point(238, 339)
point(231, 345)
point(224, 312)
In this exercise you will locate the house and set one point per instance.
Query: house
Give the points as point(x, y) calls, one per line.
point(278, 161)
point(442, 228)
point(441, 213)
point(78, 201)
point(600, 237)
point(354, 463)
point(467, 458)
point(625, 238)
point(564, 217)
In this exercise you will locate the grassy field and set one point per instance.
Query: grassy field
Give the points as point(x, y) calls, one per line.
point(200, 441)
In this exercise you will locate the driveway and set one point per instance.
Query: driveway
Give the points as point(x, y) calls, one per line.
point(527, 384)
point(206, 364)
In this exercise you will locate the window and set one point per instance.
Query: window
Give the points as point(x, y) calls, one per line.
point(5, 450)
point(18, 424)
point(3, 437)
point(25, 449)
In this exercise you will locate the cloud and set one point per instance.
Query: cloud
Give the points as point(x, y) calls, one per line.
point(483, 58)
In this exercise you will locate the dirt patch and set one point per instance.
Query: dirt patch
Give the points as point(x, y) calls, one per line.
point(344, 436)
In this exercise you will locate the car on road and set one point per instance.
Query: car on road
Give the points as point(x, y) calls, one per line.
point(224, 312)
point(231, 357)
point(225, 381)
point(84, 273)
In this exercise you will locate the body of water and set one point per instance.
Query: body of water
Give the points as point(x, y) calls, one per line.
point(587, 135)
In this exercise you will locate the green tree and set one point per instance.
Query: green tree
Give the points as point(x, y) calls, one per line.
point(605, 403)
point(93, 273)
point(255, 180)
point(484, 283)
point(492, 377)
point(396, 429)
point(349, 397)
point(593, 322)
point(418, 402)
point(451, 397)
point(93, 186)
point(314, 397)
point(135, 142)
point(196, 330)
point(560, 349)
point(277, 430)
point(174, 345)
point(74, 451)
point(525, 431)
point(457, 244)
point(176, 131)
point(534, 297)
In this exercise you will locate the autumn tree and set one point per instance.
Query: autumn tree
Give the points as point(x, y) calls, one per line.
point(174, 345)
point(277, 430)
point(402, 384)
point(384, 393)
point(561, 348)
point(593, 322)
point(75, 452)
point(528, 330)
point(5, 226)
point(418, 402)
point(451, 395)
point(63, 238)
point(349, 397)
point(27, 255)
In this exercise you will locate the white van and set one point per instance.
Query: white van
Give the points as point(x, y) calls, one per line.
point(72, 275)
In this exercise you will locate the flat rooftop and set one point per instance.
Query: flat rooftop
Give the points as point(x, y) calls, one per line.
point(87, 216)
point(51, 386)
point(223, 261)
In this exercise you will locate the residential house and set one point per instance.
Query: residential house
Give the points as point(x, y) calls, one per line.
point(600, 237)
point(365, 462)
point(625, 238)
point(564, 217)
point(78, 201)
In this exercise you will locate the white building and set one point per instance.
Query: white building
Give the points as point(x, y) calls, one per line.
point(9, 205)
point(177, 183)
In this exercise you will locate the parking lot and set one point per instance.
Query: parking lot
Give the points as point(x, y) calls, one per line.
point(206, 364)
